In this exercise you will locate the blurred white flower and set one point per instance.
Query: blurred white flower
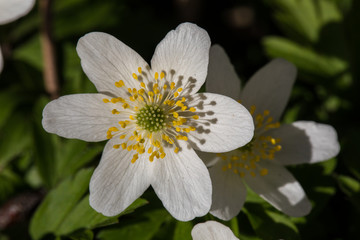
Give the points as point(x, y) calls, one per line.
point(212, 230)
point(153, 119)
point(11, 10)
point(260, 163)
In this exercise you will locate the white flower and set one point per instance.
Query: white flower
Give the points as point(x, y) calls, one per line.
point(212, 230)
point(10, 10)
point(153, 118)
point(260, 163)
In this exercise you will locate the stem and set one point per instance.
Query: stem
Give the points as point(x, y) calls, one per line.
point(50, 71)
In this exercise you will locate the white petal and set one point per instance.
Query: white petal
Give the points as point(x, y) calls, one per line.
point(117, 182)
point(212, 230)
point(107, 60)
point(306, 142)
point(229, 192)
point(224, 124)
point(270, 88)
point(222, 77)
point(280, 189)
point(184, 50)
point(81, 116)
point(183, 184)
point(10, 10)
point(1, 61)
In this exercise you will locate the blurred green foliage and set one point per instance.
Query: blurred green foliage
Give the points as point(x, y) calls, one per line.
point(320, 37)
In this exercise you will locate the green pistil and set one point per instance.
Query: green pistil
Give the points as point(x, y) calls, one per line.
point(151, 118)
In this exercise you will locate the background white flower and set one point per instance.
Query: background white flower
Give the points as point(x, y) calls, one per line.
point(259, 164)
point(153, 118)
point(10, 10)
point(212, 230)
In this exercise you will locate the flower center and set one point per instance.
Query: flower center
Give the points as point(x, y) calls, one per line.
point(154, 116)
point(151, 118)
point(246, 160)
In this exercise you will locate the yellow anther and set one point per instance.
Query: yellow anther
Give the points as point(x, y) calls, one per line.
point(176, 94)
point(150, 150)
point(195, 117)
point(113, 129)
point(252, 109)
point(115, 100)
point(130, 90)
point(192, 128)
point(135, 157)
point(142, 84)
point(178, 129)
point(123, 145)
point(179, 89)
point(131, 117)
point(162, 155)
point(179, 103)
point(122, 136)
point(269, 120)
point(183, 108)
point(156, 75)
point(273, 141)
point(139, 70)
point(175, 114)
point(141, 150)
point(234, 158)
point(192, 109)
point(229, 165)
point(253, 174)
point(119, 84)
point(183, 99)
point(277, 147)
point(151, 158)
point(125, 105)
point(165, 86)
point(263, 172)
point(129, 148)
point(116, 146)
point(176, 150)
point(122, 124)
point(266, 112)
point(135, 76)
point(172, 85)
point(162, 75)
point(105, 100)
point(236, 171)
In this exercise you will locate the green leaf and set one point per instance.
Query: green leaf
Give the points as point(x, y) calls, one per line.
point(304, 58)
point(143, 228)
point(82, 235)
point(270, 225)
point(58, 204)
point(65, 210)
point(8, 100)
point(30, 52)
point(14, 138)
point(71, 155)
point(83, 216)
point(8, 183)
point(297, 18)
point(183, 230)
point(351, 188)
